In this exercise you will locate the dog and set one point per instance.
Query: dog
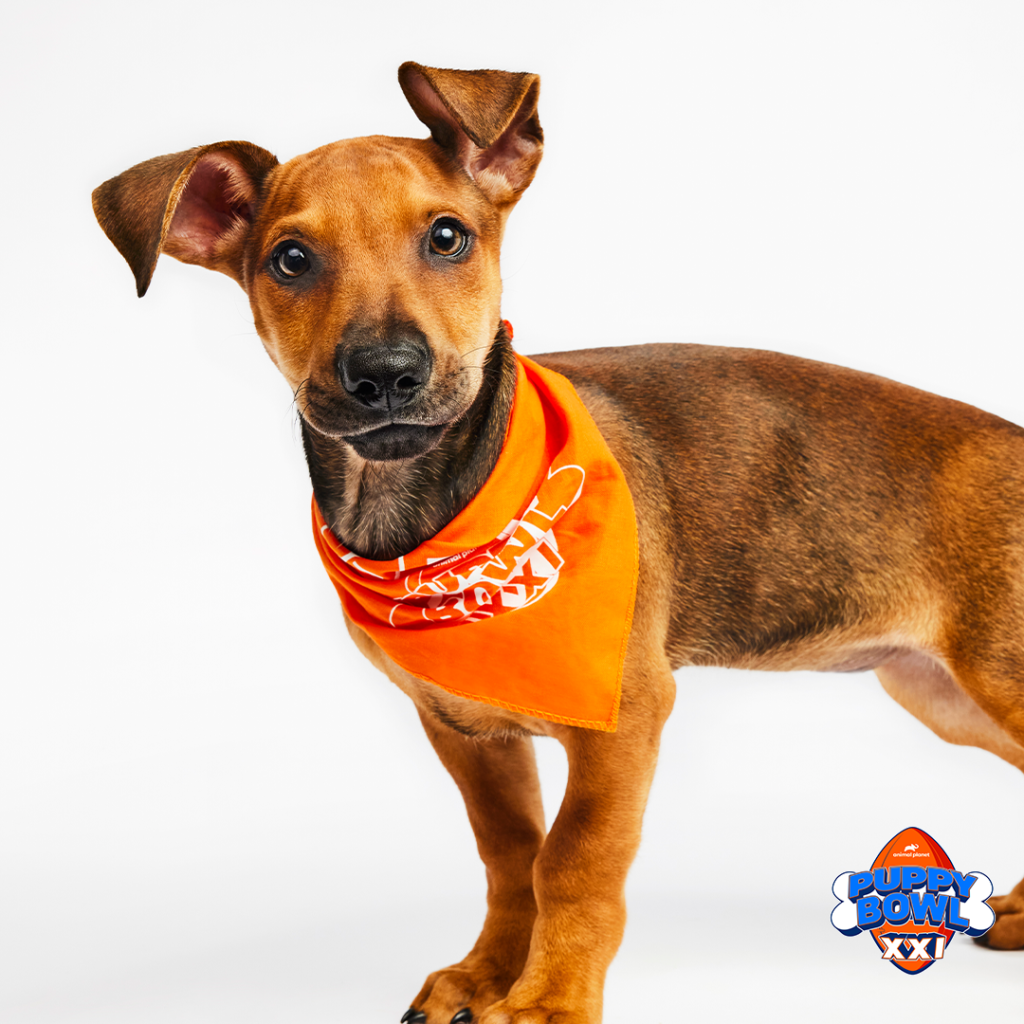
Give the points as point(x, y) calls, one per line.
point(781, 513)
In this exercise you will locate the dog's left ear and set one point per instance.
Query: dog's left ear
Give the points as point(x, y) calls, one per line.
point(486, 120)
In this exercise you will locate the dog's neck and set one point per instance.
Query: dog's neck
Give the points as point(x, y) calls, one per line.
point(381, 510)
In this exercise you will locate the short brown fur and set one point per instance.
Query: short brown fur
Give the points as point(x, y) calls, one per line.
point(791, 514)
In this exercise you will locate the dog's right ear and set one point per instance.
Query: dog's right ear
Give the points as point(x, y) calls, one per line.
point(197, 206)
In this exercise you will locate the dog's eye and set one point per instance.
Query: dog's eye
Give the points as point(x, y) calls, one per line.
point(289, 260)
point(448, 237)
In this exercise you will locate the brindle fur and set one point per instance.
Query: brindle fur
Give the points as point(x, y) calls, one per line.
point(791, 514)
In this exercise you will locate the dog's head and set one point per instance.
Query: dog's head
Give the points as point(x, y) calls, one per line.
point(371, 265)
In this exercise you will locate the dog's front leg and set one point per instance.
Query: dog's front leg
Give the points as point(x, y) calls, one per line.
point(498, 781)
point(580, 874)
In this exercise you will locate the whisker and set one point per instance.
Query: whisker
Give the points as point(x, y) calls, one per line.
point(298, 391)
point(294, 403)
point(479, 348)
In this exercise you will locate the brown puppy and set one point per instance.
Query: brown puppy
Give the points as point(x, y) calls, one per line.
point(791, 514)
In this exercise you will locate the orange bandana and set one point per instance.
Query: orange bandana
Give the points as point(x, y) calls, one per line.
point(525, 599)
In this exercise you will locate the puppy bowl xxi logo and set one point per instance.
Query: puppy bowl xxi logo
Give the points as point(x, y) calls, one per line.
point(912, 901)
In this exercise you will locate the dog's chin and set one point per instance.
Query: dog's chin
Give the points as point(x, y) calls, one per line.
point(396, 441)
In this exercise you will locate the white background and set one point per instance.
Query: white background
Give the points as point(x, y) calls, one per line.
point(212, 810)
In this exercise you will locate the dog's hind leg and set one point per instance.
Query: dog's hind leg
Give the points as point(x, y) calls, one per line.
point(498, 781)
point(944, 701)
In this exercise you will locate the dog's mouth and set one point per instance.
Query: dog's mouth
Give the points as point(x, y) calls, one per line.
point(381, 435)
point(396, 441)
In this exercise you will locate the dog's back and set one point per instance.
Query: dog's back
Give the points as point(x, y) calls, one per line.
point(812, 516)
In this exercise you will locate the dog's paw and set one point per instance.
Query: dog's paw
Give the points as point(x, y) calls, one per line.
point(506, 1012)
point(414, 1016)
point(1008, 931)
point(411, 1016)
point(458, 995)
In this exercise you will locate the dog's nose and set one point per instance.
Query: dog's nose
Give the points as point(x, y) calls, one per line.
point(385, 376)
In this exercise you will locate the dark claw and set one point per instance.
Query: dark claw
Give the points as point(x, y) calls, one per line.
point(412, 1016)
point(463, 1016)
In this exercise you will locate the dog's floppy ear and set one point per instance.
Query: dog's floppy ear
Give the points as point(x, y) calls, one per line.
point(486, 120)
point(197, 206)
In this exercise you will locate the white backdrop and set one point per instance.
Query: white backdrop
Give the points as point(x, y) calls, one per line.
point(211, 809)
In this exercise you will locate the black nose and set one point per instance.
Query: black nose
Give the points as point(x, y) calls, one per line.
point(385, 376)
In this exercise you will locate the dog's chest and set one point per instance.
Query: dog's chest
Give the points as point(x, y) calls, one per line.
point(469, 717)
